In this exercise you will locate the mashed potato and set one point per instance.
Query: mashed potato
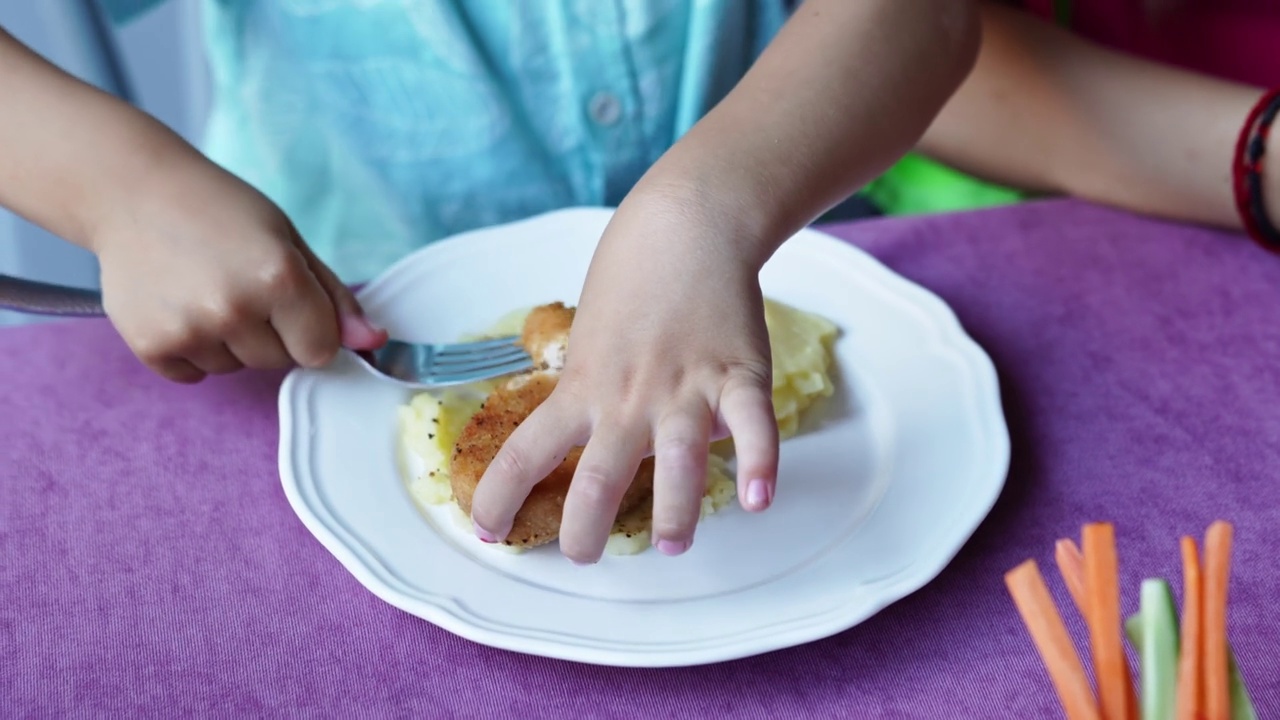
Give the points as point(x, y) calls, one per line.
point(801, 346)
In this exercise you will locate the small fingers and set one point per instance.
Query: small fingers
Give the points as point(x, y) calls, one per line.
point(304, 318)
point(532, 451)
point(258, 346)
point(746, 406)
point(680, 477)
point(605, 472)
point(355, 330)
point(167, 355)
point(214, 359)
point(177, 370)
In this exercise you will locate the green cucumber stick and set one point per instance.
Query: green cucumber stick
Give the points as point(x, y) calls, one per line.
point(1158, 658)
point(1157, 644)
point(1241, 704)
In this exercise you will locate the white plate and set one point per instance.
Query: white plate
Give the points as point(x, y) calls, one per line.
point(895, 473)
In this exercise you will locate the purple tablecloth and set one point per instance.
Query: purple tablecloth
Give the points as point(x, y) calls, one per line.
point(149, 563)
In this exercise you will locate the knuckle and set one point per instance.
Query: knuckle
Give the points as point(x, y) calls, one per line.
point(281, 275)
point(315, 344)
point(597, 486)
point(511, 466)
point(623, 385)
point(746, 388)
point(225, 315)
point(679, 447)
point(269, 359)
point(158, 348)
point(743, 374)
point(627, 384)
point(317, 355)
point(183, 340)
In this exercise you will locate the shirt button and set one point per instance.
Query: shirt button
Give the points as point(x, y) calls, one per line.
point(605, 108)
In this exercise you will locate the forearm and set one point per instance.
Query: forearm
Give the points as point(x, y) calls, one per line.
point(69, 151)
point(1045, 110)
point(843, 91)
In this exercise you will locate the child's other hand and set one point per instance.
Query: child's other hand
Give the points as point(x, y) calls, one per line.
point(668, 351)
point(204, 275)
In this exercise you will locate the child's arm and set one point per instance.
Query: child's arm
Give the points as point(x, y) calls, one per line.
point(842, 93)
point(66, 149)
point(1046, 110)
point(200, 273)
point(669, 348)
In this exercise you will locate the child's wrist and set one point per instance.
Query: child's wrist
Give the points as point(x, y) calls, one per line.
point(146, 163)
point(726, 216)
point(713, 219)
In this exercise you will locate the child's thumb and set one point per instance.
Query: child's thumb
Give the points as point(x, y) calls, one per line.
point(357, 332)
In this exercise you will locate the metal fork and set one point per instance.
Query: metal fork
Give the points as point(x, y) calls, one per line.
point(425, 367)
point(416, 365)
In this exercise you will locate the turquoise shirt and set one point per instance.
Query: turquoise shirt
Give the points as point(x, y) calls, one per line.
point(382, 125)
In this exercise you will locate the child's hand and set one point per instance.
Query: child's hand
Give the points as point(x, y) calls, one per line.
point(668, 351)
point(205, 275)
point(669, 346)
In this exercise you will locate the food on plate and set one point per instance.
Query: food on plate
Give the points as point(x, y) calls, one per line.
point(545, 335)
point(801, 345)
point(1186, 667)
point(456, 433)
point(538, 520)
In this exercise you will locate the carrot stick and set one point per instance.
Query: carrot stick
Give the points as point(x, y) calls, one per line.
point(1190, 699)
point(1071, 566)
point(1044, 624)
point(1217, 569)
point(1102, 590)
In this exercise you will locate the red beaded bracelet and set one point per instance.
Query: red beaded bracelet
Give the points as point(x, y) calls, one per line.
point(1246, 171)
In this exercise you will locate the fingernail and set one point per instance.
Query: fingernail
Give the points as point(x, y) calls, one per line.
point(484, 535)
point(672, 547)
point(759, 494)
point(360, 334)
point(580, 563)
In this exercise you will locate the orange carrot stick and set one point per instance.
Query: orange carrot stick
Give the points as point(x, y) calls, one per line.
point(1217, 569)
point(1102, 588)
point(1071, 566)
point(1044, 624)
point(1190, 694)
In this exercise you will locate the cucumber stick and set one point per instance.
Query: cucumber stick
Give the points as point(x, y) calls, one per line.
point(1157, 644)
point(1241, 704)
point(1158, 621)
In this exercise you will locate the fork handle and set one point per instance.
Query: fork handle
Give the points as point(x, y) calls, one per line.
point(37, 298)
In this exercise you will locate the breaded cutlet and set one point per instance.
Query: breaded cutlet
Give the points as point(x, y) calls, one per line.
point(538, 521)
point(546, 334)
